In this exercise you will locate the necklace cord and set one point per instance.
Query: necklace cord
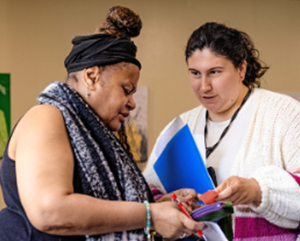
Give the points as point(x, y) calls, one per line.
point(209, 150)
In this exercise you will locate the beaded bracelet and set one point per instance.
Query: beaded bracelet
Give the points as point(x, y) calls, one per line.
point(147, 229)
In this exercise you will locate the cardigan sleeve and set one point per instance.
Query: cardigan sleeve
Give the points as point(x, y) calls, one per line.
point(280, 197)
point(279, 181)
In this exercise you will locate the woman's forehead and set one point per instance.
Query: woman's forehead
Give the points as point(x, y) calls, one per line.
point(206, 57)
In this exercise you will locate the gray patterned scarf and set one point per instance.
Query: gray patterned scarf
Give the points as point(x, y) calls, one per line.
point(105, 169)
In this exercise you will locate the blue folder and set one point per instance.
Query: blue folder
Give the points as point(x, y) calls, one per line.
point(180, 164)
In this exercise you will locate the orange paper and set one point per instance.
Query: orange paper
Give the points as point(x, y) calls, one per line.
point(209, 197)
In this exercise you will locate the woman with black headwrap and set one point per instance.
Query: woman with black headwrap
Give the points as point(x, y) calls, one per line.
point(65, 176)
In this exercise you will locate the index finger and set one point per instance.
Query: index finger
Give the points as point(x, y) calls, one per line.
point(189, 196)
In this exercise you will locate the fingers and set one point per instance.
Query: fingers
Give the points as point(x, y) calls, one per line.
point(236, 198)
point(198, 205)
point(188, 207)
point(191, 225)
point(188, 226)
point(234, 190)
point(171, 222)
point(224, 185)
point(187, 194)
point(188, 197)
point(239, 190)
point(225, 194)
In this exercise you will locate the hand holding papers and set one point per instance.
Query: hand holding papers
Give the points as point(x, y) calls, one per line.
point(180, 165)
point(199, 232)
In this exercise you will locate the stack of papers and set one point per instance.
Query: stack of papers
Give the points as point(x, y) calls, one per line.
point(180, 165)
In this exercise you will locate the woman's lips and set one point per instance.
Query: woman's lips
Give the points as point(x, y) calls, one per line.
point(208, 98)
point(123, 116)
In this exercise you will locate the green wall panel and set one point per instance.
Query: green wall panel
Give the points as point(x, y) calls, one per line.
point(4, 110)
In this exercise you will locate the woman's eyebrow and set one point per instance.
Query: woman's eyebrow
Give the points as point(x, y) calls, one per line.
point(216, 67)
point(192, 69)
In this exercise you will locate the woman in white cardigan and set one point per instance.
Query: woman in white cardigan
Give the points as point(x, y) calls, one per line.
point(252, 135)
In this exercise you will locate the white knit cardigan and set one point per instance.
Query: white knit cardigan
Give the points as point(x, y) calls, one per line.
point(270, 150)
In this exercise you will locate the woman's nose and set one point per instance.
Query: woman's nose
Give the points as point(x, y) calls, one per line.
point(205, 84)
point(131, 103)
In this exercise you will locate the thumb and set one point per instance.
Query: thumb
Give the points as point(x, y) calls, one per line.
point(227, 192)
point(192, 224)
point(222, 186)
point(200, 226)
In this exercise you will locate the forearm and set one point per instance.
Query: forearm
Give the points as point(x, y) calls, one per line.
point(280, 197)
point(77, 214)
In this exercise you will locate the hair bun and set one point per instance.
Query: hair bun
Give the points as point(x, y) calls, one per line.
point(121, 21)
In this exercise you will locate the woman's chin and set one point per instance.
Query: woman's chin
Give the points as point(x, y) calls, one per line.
point(115, 126)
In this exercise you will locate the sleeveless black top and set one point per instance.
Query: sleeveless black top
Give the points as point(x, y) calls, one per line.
point(14, 224)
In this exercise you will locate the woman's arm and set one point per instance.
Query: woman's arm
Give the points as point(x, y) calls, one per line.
point(280, 189)
point(44, 167)
point(274, 156)
point(276, 198)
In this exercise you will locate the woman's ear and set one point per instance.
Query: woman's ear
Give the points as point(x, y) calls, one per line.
point(242, 70)
point(91, 76)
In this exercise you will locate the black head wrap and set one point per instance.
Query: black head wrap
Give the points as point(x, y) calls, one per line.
point(100, 50)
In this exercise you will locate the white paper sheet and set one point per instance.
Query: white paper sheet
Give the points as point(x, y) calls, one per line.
point(200, 142)
point(213, 232)
point(175, 126)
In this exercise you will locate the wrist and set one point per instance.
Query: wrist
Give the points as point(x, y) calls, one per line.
point(152, 208)
point(148, 219)
point(257, 193)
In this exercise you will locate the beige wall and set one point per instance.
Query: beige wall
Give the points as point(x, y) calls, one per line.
point(35, 39)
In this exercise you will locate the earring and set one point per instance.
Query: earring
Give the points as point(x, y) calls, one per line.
point(88, 93)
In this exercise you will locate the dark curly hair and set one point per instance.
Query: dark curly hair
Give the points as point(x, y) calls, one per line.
point(233, 44)
point(122, 136)
point(121, 21)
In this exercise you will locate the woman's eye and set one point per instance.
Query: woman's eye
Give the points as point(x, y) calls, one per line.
point(127, 92)
point(215, 71)
point(195, 73)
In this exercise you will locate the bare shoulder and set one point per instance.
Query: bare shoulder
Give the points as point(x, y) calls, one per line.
point(41, 121)
point(40, 124)
point(43, 117)
point(43, 112)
